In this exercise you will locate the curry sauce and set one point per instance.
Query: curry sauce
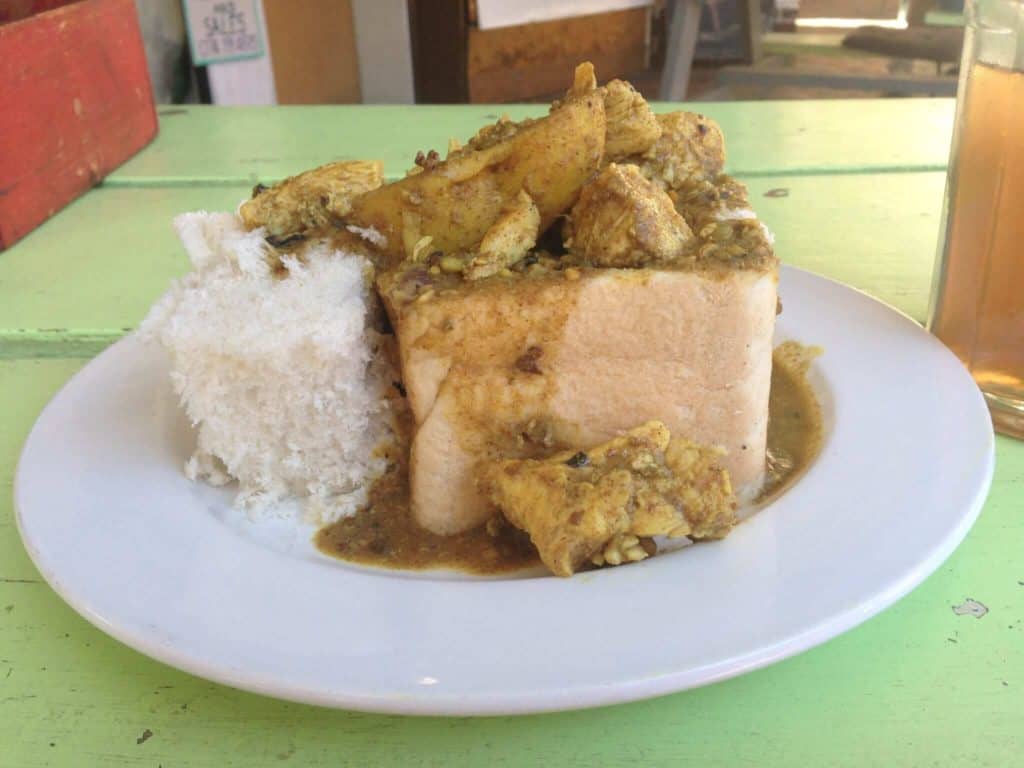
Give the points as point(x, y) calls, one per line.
point(385, 534)
point(794, 419)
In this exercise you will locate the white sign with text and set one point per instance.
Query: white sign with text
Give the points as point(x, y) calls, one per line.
point(223, 30)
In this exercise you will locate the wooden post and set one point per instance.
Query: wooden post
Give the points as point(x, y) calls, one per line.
point(439, 30)
point(750, 21)
point(684, 23)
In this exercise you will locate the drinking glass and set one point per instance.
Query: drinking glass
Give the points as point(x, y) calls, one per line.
point(977, 303)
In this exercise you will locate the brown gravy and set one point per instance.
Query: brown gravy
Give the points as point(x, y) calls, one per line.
point(794, 418)
point(385, 535)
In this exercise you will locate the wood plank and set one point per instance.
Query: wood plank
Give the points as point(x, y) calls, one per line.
point(533, 60)
point(68, 276)
point(914, 686)
point(94, 270)
point(244, 145)
point(808, 43)
point(314, 51)
point(935, 44)
point(779, 76)
point(945, 19)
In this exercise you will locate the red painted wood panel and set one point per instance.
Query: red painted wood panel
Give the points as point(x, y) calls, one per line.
point(75, 102)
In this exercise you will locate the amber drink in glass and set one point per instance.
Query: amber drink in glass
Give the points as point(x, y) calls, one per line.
point(977, 305)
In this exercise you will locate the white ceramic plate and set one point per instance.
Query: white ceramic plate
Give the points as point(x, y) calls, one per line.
point(167, 567)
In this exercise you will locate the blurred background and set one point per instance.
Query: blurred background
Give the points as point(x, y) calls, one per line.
point(492, 51)
point(471, 51)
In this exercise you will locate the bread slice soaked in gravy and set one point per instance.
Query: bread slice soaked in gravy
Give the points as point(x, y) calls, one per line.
point(651, 297)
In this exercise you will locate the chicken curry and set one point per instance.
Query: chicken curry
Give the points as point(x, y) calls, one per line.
point(581, 309)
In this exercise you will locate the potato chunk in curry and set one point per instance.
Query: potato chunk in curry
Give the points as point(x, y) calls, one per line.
point(456, 202)
point(597, 506)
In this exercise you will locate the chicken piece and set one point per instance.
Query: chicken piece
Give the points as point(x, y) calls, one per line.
point(508, 240)
point(596, 505)
point(584, 82)
point(632, 127)
point(687, 161)
point(517, 368)
point(570, 515)
point(455, 202)
point(691, 147)
point(311, 199)
point(703, 201)
point(624, 220)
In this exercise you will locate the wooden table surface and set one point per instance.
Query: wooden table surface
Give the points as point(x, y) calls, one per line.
point(861, 184)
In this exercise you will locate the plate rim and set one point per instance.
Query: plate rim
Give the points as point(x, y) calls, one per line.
point(576, 698)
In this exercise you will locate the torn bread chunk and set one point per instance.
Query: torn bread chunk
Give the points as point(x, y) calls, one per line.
point(604, 504)
point(312, 199)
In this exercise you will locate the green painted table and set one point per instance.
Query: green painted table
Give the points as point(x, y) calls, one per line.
point(918, 685)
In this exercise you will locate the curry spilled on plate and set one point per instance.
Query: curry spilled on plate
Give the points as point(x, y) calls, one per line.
point(555, 342)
